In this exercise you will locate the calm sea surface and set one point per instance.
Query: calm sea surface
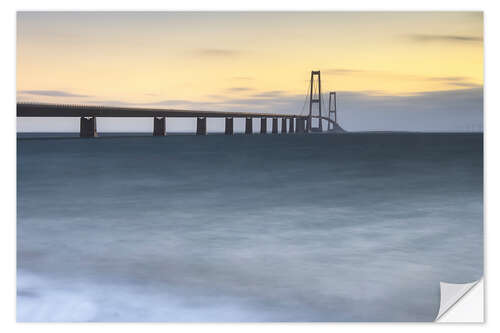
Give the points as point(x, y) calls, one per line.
point(350, 227)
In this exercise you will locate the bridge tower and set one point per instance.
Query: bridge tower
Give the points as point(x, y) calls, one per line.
point(332, 109)
point(315, 98)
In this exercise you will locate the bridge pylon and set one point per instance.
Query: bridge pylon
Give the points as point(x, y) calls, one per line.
point(88, 127)
point(315, 98)
point(332, 109)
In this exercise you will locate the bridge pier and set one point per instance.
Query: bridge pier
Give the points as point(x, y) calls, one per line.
point(275, 125)
point(248, 126)
point(300, 125)
point(263, 125)
point(88, 127)
point(229, 126)
point(292, 125)
point(201, 126)
point(283, 125)
point(159, 126)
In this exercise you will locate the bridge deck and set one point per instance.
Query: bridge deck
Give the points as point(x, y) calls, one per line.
point(63, 110)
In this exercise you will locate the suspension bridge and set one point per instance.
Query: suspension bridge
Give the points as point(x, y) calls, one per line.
point(304, 121)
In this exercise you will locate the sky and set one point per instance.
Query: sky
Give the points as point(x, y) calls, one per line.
point(411, 71)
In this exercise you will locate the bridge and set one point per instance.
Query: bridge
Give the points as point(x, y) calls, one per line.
point(88, 114)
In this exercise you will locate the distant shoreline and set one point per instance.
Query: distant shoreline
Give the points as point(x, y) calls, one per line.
point(237, 133)
point(114, 135)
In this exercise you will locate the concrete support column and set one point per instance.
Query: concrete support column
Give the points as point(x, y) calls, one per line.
point(283, 125)
point(201, 126)
point(263, 125)
point(229, 126)
point(159, 126)
point(292, 125)
point(88, 127)
point(300, 125)
point(275, 125)
point(248, 126)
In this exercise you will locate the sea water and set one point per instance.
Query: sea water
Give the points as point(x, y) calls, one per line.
point(347, 227)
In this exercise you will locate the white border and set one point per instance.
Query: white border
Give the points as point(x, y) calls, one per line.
point(8, 180)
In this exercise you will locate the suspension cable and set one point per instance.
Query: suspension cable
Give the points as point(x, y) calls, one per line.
point(303, 111)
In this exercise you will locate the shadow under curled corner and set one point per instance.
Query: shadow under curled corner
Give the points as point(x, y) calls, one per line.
point(455, 299)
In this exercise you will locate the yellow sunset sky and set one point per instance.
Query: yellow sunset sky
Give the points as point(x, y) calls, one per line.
point(146, 57)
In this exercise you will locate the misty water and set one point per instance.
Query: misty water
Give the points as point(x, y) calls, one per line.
point(348, 227)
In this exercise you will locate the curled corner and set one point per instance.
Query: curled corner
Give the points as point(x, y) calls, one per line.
point(452, 294)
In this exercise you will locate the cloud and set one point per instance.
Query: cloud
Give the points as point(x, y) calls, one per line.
point(373, 73)
point(343, 71)
point(167, 102)
point(447, 78)
point(444, 110)
point(239, 89)
point(253, 103)
point(458, 81)
point(372, 99)
point(428, 100)
point(466, 85)
point(216, 53)
point(52, 93)
point(109, 103)
point(387, 74)
point(270, 94)
point(444, 38)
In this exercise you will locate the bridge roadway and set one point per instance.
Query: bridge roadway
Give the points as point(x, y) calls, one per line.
point(68, 110)
point(88, 114)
